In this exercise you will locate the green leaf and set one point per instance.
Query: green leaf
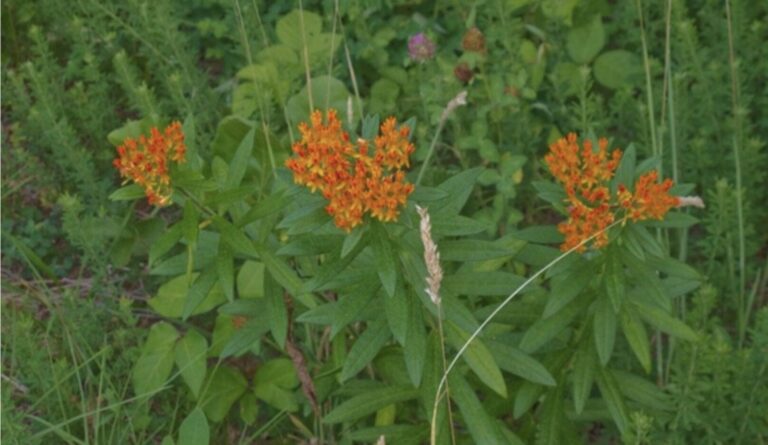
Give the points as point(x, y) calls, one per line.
point(222, 389)
point(191, 353)
point(642, 391)
point(625, 172)
point(386, 265)
point(250, 280)
point(539, 234)
point(568, 286)
point(456, 225)
point(327, 92)
point(163, 244)
point(614, 281)
point(225, 269)
point(586, 41)
point(479, 359)
point(189, 222)
point(351, 241)
point(584, 364)
point(278, 314)
point(249, 408)
point(268, 206)
point(552, 417)
point(472, 250)
point(365, 349)
point(481, 283)
point(171, 298)
point(194, 429)
point(636, 336)
point(273, 384)
point(546, 329)
point(239, 162)
point(369, 402)
point(127, 193)
point(618, 69)
point(517, 362)
point(604, 324)
point(661, 320)
point(396, 311)
point(199, 292)
point(415, 346)
point(525, 398)
point(480, 424)
point(458, 187)
point(246, 337)
point(156, 360)
point(613, 399)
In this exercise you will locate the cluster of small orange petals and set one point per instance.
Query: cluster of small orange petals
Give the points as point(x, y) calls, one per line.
point(146, 161)
point(585, 174)
point(349, 177)
point(650, 200)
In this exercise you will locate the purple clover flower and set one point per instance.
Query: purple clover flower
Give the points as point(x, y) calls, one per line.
point(420, 47)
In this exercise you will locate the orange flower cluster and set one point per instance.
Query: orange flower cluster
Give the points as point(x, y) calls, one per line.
point(145, 161)
point(353, 181)
point(585, 174)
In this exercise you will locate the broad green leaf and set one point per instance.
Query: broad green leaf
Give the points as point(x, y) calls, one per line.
point(250, 280)
point(546, 329)
point(585, 41)
point(618, 69)
point(604, 328)
point(156, 360)
point(636, 336)
point(127, 193)
point(613, 399)
point(171, 298)
point(191, 354)
point(200, 291)
point(584, 365)
point(167, 440)
point(645, 239)
point(661, 320)
point(327, 92)
point(273, 383)
point(348, 307)
point(479, 359)
point(131, 129)
point(222, 389)
point(194, 429)
point(386, 264)
point(625, 172)
point(369, 402)
point(365, 349)
point(517, 362)
point(249, 408)
point(480, 424)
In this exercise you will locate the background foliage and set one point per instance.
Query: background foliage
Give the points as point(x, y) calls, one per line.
point(101, 344)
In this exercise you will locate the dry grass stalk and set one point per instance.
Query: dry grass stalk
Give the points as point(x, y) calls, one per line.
point(431, 257)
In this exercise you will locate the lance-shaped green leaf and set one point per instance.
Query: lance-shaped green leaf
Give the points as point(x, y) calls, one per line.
point(156, 360)
point(584, 364)
point(369, 402)
point(661, 320)
point(636, 336)
point(548, 328)
point(613, 398)
point(191, 353)
point(365, 349)
point(604, 328)
point(479, 359)
point(480, 424)
point(517, 362)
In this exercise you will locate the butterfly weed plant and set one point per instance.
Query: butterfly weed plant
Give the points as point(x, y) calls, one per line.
point(323, 269)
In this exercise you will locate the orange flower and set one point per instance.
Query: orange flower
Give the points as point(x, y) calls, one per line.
point(145, 161)
point(353, 181)
point(585, 175)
